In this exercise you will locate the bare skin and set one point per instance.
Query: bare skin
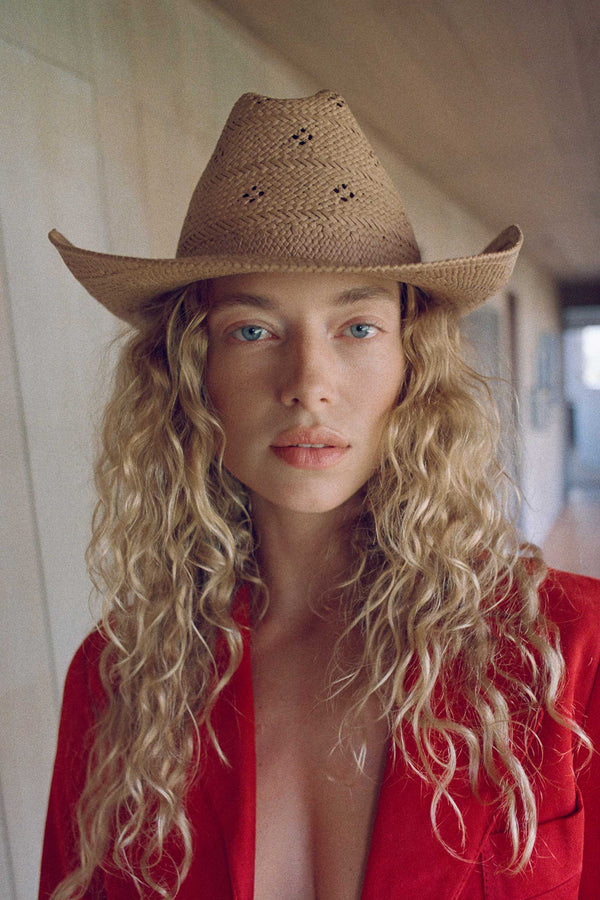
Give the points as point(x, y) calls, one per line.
point(314, 810)
point(303, 370)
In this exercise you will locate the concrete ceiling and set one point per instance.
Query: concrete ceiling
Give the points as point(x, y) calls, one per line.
point(496, 101)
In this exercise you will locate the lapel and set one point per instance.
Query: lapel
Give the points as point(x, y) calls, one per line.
point(231, 789)
point(406, 859)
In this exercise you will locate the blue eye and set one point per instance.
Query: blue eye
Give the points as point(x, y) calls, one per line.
point(361, 330)
point(250, 332)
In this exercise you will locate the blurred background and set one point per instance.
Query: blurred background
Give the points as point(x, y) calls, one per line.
point(484, 113)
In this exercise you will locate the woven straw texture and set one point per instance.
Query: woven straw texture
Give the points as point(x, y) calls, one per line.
point(297, 179)
point(293, 185)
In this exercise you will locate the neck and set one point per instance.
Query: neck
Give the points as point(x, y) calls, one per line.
point(302, 557)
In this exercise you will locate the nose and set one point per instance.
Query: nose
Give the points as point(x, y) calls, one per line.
point(309, 375)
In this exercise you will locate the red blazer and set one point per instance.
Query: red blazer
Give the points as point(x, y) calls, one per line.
point(405, 858)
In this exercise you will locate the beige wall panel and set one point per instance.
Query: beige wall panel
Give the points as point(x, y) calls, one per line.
point(50, 178)
point(236, 65)
point(26, 770)
point(7, 885)
point(54, 29)
point(173, 162)
point(28, 696)
point(118, 127)
point(281, 80)
point(172, 65)
point(239, 63)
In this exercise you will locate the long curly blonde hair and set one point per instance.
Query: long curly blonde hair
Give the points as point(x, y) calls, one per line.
point(439, 591)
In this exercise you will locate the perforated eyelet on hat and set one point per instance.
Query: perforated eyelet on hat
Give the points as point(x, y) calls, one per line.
point(303, 135)
point(344, 193)
point(254, 193)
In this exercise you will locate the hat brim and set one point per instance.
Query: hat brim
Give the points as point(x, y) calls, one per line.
point(126, 284)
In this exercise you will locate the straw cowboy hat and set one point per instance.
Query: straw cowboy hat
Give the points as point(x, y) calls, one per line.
point(292, 186)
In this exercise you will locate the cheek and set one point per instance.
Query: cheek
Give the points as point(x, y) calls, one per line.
point(236, 401)
point(399, 379)
point(219, 387)
point(390, 380)
point(388, 394)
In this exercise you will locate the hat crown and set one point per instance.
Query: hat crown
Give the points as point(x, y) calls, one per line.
point(293, 185)
point(297, 180)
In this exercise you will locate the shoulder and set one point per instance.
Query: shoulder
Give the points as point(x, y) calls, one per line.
point(84, 698)
point(571, 590)
point(572, 603)
point(83, 684)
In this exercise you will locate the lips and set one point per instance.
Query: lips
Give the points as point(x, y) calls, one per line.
point(310, 437)
point(310, 448)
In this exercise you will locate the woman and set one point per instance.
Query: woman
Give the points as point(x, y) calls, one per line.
point(324, 668)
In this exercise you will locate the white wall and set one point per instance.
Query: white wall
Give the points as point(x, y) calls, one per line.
point(110, 110)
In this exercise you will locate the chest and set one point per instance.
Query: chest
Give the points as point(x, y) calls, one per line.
point(315, 807)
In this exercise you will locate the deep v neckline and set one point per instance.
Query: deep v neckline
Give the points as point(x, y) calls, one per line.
point(404, 857)
point(244, 706)
point(315, 810)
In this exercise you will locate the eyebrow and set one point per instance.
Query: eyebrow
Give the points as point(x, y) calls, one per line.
point(345, 298)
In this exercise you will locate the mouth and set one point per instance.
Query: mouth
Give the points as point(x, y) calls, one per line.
point(317, 446)
point(310, 448)
point(318, 438)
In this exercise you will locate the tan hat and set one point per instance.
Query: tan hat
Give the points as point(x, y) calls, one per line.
point(292, 186)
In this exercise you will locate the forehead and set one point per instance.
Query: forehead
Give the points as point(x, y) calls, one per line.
point(272, 289)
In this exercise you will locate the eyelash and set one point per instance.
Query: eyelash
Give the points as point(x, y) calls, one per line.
point(265, 332)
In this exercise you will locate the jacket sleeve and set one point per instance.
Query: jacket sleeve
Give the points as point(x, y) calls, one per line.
point(82, 696)
point(589, 785)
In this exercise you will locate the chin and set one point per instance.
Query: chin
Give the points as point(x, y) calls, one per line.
point(316, 502)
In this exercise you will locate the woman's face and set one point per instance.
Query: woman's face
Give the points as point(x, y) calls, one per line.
point(303, 370)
